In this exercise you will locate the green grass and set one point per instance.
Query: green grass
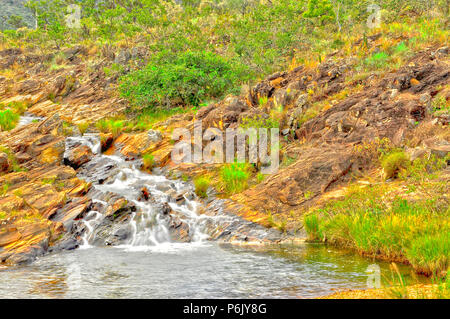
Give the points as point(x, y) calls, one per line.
point(201, 186)
point(281, 226)
point(235, 177)
point(397, 229)
point(4, 188)
point(8, 120)
point(376, 61)
point(148, 117)
point(115, 127)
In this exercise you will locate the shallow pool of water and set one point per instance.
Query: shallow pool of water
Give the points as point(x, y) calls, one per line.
point(194, 270)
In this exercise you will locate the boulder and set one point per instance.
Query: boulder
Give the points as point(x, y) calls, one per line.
point(78, 156)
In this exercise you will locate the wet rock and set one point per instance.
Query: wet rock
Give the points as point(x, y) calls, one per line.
point(78, 156)
point(65, 244)
point(115, 228)
point(98, 170)
point(164, 209)
point(179, 230)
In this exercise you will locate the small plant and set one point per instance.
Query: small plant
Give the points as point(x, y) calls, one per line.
point(148, 161)
point(377, 60)
point(393, 163)
point(49, 180)
point(260, 177)
point(8, 120)
point(67, 129)
point(115, 127)
point(263, 101)
point(281, 226)
point(4, 189)
point(311, 222)
point(83, 126)
point(14, 165)
point(235, 177)
point(102, 125)
point(201, 186)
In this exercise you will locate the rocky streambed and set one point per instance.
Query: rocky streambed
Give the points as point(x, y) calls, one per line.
point(128, 207)
point(134, 234)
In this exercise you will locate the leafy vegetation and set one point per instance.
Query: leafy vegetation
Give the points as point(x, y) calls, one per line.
point(235, 177)
point(183, 79)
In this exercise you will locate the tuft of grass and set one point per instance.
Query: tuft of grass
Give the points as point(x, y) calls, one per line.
point(148, 161)
point(115, 127)
point(281, 226)
point(8, 120)
point(430, 251)
point(393, 163)
point(83, 126)
point(311, 222)
point(4, 189)
point(376, 61)
point(235, 177)
point(202, 184)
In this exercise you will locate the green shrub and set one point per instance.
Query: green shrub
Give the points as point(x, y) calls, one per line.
point(8, 120)
point(235, 177)
point(201, 186)
point(393, 163)
point(187, 78)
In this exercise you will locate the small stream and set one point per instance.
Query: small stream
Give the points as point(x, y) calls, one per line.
point(159, 245)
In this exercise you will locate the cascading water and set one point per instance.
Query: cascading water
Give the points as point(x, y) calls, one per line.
point(150, 224)
point(28, 118)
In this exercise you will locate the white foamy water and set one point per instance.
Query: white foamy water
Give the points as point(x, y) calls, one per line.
point(150, 228)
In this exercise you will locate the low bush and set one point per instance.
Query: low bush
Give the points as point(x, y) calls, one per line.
point(182, 79)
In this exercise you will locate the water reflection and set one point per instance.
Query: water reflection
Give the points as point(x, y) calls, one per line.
point(203, 271)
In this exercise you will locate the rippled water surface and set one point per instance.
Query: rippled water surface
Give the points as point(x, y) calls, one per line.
point(195, 270)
